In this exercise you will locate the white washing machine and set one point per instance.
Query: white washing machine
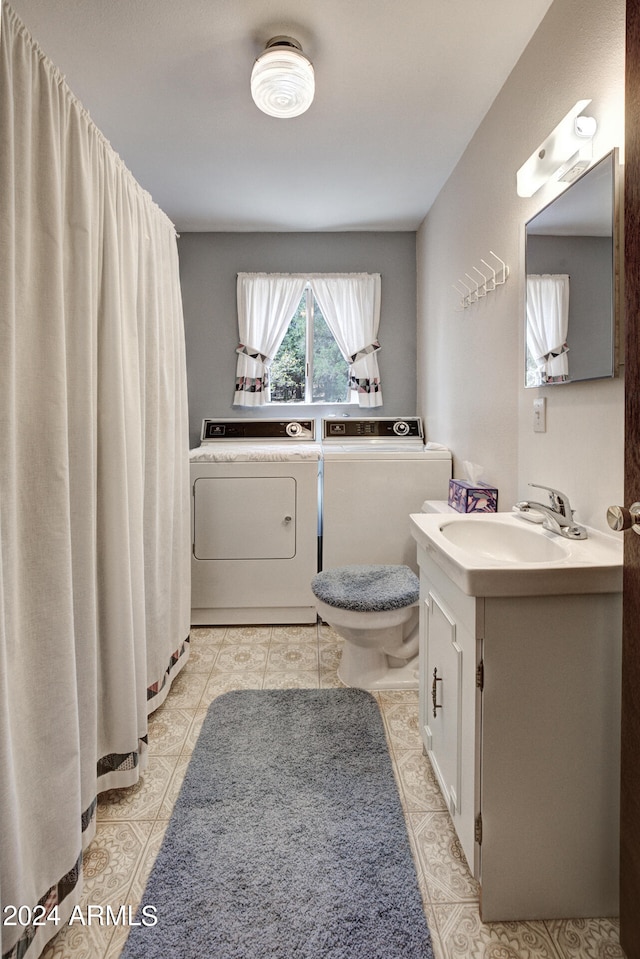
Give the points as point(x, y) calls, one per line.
point(376, 472)
point(254, 514)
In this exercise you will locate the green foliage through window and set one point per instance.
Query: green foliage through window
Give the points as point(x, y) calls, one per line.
point(309, 367)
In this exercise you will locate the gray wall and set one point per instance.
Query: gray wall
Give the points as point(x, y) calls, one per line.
point(209, 263)
point(471, 390)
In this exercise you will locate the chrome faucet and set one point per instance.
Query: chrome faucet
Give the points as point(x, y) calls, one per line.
point(557, 516)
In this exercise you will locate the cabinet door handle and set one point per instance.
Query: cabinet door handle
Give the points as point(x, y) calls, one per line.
point(434, 692)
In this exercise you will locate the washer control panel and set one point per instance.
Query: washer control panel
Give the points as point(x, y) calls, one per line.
point(401, 428)
point(387, 427)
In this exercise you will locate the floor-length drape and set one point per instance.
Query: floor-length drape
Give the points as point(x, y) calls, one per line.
point(94, 507)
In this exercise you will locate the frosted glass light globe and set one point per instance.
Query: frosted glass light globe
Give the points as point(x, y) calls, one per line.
point(282, 79)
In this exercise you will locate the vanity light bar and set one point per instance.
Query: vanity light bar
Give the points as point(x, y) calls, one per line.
point(566, 153)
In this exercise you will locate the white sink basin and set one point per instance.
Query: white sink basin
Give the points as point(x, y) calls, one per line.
point(500, 554)
point(504, 542)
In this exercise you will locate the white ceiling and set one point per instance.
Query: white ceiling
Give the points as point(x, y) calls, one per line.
point(401, 86)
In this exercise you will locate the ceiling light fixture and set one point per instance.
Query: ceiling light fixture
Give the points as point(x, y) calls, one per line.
point(282, 79)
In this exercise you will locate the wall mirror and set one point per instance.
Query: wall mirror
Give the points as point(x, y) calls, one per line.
point(572, 302)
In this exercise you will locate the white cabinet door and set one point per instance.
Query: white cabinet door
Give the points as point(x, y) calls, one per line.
point(450, 631)
point(443, 706)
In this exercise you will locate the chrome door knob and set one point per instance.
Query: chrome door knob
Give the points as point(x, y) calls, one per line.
point(620, 518)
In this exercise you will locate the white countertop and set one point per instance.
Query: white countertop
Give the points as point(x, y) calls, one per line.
point(592, 565)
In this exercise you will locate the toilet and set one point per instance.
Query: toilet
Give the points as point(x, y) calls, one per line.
point(375, 610)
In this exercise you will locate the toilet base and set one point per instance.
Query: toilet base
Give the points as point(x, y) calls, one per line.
point(370, 669)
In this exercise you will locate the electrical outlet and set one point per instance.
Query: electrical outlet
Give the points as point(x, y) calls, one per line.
point(540, 414)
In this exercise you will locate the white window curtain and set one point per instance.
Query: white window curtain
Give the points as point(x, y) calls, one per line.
point(350, 304)
point(94, 481)
point(266, 305)
point(548, 325)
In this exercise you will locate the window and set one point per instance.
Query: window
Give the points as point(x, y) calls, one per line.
point(309, 367)
point(308, 338)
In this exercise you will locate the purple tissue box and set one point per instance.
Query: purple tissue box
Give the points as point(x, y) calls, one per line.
point(468, 497)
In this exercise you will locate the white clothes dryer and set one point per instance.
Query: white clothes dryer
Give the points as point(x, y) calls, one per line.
point(254, 509)
point(375, 473)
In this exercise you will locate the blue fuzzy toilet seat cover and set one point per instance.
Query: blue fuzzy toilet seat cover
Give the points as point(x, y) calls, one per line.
point(367, 588)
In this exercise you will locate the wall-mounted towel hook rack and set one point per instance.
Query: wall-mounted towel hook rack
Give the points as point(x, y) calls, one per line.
point(505, 268)
point(498, 277)
point(492, 280)
point(482, 288)
point(474, 292)
point(464, 301)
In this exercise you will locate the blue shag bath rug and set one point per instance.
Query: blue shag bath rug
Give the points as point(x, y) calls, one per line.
point(287, 840)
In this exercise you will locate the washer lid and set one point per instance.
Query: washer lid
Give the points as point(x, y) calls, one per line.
point(382, 452)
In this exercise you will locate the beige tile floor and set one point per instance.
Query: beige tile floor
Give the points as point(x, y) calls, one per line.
point(131, 822)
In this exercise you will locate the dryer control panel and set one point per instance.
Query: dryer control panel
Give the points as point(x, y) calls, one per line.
point(256, 430)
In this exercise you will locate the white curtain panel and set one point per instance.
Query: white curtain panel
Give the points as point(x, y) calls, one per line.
point(266, 305)
point(350, 304)
point(548, 324)
point(94, 501)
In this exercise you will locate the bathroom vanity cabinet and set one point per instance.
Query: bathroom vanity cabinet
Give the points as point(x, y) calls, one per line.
point(520, 718)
